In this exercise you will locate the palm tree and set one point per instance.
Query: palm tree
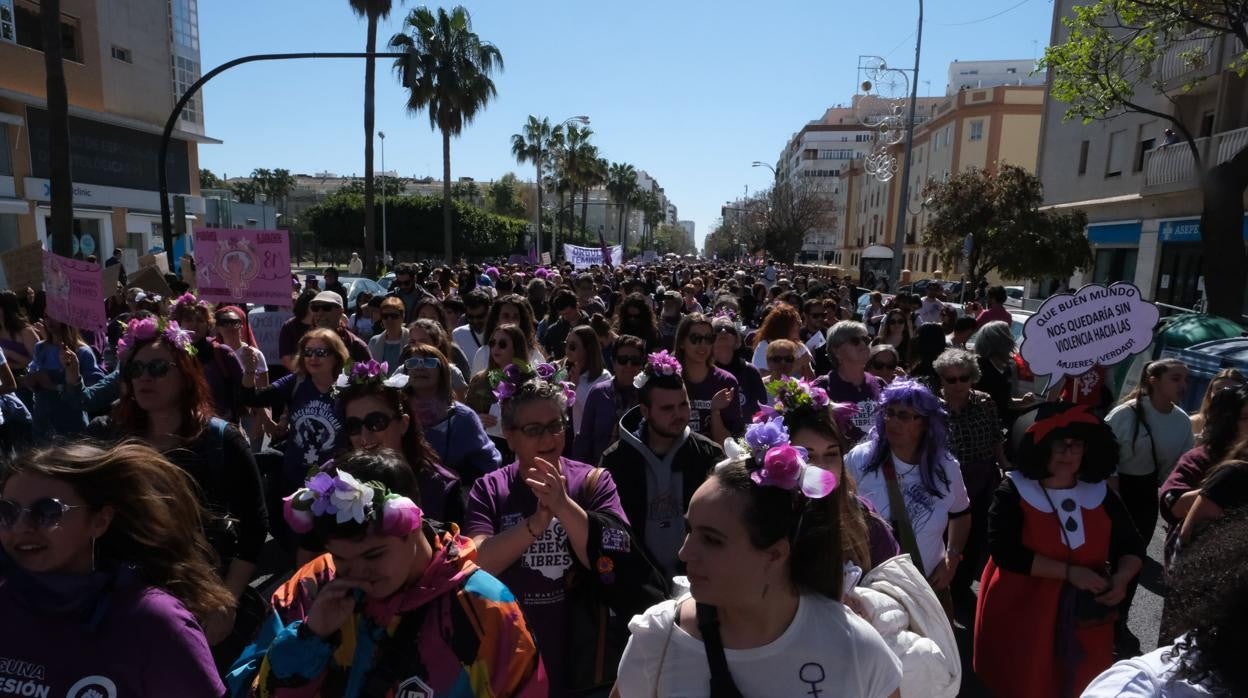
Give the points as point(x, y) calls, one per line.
point(61, 234)
point(534, 144)
point(449, 75)
point(621, 184)
point(374, 10)
point(574, 154)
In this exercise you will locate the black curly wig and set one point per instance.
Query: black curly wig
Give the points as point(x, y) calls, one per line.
point(1209, 595)
point(1037, 429)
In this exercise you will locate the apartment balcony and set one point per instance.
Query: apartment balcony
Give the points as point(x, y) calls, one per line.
point(1187, 59)
point(1171, 168)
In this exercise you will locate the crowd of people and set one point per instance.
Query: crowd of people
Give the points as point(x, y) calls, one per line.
point(699, 479)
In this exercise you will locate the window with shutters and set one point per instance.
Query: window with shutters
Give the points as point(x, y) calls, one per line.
point(1116, 155)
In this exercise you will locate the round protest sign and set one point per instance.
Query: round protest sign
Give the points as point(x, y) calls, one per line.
point(1096, 326)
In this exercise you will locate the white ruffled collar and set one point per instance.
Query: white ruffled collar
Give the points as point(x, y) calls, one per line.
point(1070, 502)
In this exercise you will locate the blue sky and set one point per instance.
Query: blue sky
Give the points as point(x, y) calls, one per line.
point(691, 91)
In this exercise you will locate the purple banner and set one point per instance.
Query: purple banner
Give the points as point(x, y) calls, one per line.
point(243, 266)
point(74, 292)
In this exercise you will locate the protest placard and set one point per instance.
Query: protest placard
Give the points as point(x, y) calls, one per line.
point(73, 292)
point(155, 260)
point(1096, 326)
point(109, 276)
point(266, 327)
point(235, 265)
point(150, 280)
point(545, 259)
point(583, 257)
point(23, 266)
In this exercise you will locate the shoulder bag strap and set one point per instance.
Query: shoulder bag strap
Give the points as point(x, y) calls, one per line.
point(900, 517)
point(722, 685)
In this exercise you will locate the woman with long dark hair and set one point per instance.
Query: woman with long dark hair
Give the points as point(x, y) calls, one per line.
point(715, 411)
point(635, 316)
point(106, 574)
point(763, 615)
point(54, 412)
point(1226, 378)
point(582, 359)
point(511, 309)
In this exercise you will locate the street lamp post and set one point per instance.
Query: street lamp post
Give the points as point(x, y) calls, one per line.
point(385, 240)
point(775, 176)
point(899, 238)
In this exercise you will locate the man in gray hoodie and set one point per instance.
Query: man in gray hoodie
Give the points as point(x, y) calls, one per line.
point(657, 464)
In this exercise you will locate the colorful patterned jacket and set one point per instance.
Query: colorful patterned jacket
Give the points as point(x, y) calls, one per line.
point(457, 632)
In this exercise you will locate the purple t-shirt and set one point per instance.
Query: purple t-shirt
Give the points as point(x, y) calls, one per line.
point(500, 500)
point(700, 395)
point(316, 431)
point(865, 397)
point(146, 644)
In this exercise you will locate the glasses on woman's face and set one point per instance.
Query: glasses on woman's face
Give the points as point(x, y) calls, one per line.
point(229, 322)
point(785, 359)
point(699, 338)
point(42, 513)
point(884, 365)
point(422, 362)
point(373, 421)
point(155, 368)
point(537, 430)
point(901, 416)
point(392, 316)
point(315, 352)
point(500, 344)
point(629, 360)
point(954, 380)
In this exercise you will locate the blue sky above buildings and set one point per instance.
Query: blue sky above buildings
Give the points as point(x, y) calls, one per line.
point(691, 91)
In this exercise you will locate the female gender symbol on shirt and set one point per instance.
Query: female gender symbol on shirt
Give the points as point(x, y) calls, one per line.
point(807, 675)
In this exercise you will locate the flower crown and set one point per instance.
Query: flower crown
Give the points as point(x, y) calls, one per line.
point(660, 363)
point(791, 396)
point(347, 499)
point(506, 382)
point(145, 330)
point(363, 372)
point(782, 464)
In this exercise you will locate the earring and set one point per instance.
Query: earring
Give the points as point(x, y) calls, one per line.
point(93, 554)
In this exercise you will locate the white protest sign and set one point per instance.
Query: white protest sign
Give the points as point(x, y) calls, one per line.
point(1096, 326)
point(583, 257)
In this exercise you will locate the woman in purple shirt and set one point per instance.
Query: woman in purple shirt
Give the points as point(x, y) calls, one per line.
point(714, 410)
point(532, 519)
point(104, 574)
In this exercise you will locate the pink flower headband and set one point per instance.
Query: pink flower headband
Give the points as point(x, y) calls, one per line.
point(660, 363)
point(783, 465)
point(149, 328)
point(368, 371)
point(347, 499)
point(507, 382)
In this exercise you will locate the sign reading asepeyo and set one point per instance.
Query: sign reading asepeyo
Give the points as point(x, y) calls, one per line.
point(1097, 326)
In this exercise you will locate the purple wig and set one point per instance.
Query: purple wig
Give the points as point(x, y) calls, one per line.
point(933, 451)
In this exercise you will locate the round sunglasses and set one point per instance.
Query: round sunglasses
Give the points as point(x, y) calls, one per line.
point(42, 513)
point(373, 421)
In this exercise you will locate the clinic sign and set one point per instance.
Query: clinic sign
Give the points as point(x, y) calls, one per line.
point(1095, 326)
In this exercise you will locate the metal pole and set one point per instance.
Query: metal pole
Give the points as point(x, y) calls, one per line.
point(537, 203)
point(899, 241)
point(162, 157)
point(385, 240)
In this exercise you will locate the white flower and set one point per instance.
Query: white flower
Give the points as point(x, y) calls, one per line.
point(343, 381)
point(640, 381)
point(736, 451)
point(398, 381)
point(350, 498)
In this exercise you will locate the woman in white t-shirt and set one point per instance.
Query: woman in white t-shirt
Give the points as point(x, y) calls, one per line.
point(906, 458)
point(763, 616)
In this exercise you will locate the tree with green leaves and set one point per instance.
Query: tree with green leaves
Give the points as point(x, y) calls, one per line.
point(672, 238)
point(1112, 62)
point(575, 149)
point(504, 198)
point(535, 143)
point(467, 192)
point(994, 222)
point(621, 185)
point(208, 180)
point(374, 11)
point(246, 190)
point(448, 74)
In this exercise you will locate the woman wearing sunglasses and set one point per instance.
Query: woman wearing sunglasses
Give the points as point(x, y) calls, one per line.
point(106, 574)
point(545, 517)
point(608, 400)
point(505, 347)
point(895, 331)
point(976, 440)
point(714, 410)
point(510, 309)
point(783, 322)
point(234, 332)
point(782, 359)
point(388, 344)
point(315, 430)
point(395, 607)
point(884, 363)
point(374, 415)
point(726, 351)
point(450, 427)
point(166, 404)
point(904, 468)
point(848, 381)
point(425, 331)
point(582, 359)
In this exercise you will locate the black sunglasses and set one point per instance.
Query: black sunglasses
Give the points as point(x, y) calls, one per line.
point(318, 352)
point(952, 380)
point(701, 339)
point(229, 322)
point(373, 421)
point(880, 366)
point(391, 316)
point(154, 368)
point(42, 513)
point(629, 360)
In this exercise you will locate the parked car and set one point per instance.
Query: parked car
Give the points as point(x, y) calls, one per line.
point(354, 285)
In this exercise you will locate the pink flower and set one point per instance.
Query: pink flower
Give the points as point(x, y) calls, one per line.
point(142, 330)
point(400, 516)
point(299, 520)
point(782, 467)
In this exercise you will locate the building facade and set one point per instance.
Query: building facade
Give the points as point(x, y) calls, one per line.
point(1142, 195)
point(975, 75)
point(126, 62)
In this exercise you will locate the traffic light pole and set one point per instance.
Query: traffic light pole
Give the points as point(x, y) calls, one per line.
point(166, 216)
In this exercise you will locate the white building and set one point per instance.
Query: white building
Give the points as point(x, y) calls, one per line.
point(971, 75)
point(689, 227)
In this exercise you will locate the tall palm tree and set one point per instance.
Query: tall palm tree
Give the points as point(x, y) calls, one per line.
point(621, 184)
point(534, 144)
point(573, 156)
point(593, 174)
point(60, 173)
point(449, 75)
point(374, 11)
